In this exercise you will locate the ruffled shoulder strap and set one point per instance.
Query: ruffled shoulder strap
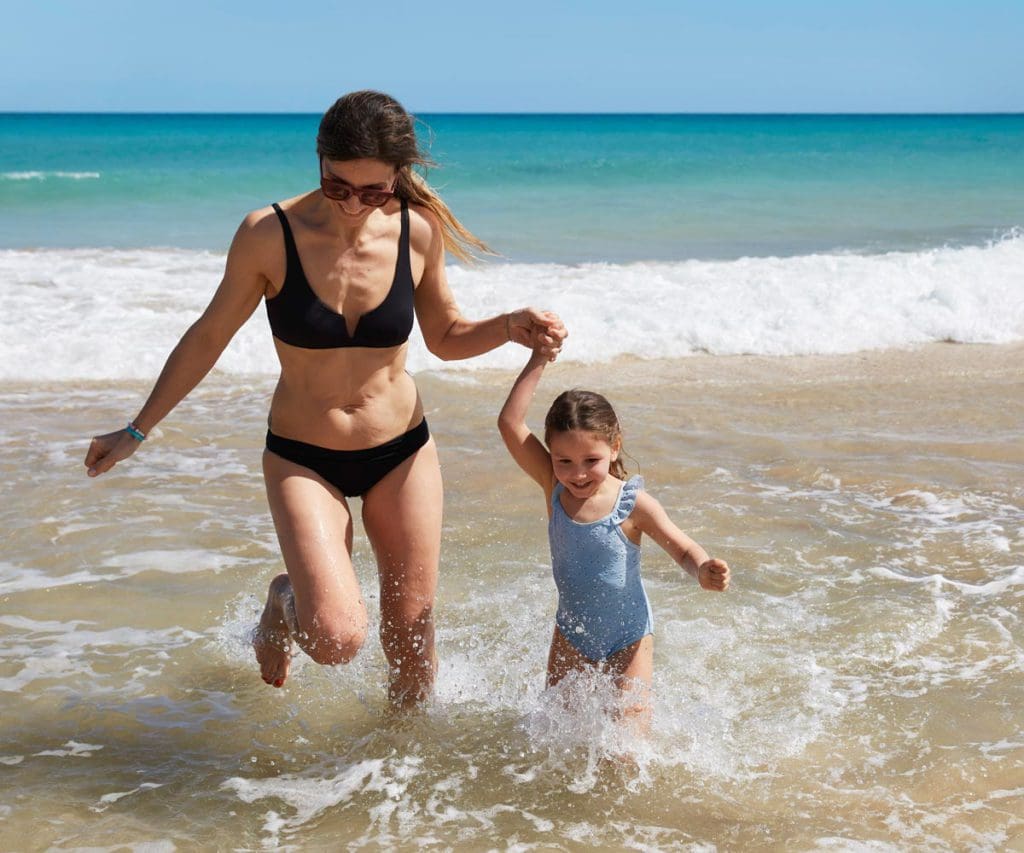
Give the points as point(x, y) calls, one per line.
point(627, 498)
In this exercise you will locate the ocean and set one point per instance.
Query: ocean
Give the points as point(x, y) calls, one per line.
point(812, 328)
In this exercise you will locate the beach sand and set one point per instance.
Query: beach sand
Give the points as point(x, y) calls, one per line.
point(861, 681)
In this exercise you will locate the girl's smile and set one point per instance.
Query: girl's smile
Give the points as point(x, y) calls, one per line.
point(581, 460)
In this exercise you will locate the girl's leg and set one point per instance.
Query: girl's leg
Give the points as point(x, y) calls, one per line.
point(633, 669)
point(318, 603)
point(563, 658)
point(402, 516)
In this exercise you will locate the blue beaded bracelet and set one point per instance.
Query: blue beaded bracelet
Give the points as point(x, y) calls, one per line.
point(135, 432)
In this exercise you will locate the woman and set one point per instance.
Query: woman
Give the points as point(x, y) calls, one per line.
point(343, 269)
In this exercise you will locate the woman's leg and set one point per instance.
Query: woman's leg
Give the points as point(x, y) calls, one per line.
point(318, 603)
point(402, 516)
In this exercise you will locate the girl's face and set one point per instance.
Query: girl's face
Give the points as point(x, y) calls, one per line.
point(581, 460)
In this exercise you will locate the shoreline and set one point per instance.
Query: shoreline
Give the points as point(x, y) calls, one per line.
point(923, 361)
point(949, 358)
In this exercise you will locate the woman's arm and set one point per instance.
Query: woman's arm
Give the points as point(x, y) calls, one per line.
point(527, 450)
point(199, 348)
point(651, 518)
point(448, 334)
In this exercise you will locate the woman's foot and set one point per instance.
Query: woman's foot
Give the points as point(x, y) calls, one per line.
point(272, 639)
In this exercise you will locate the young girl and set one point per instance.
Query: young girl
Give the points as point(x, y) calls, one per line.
point(596, 520)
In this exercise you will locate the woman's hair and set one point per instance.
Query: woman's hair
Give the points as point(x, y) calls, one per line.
point(372, 125)
point(588, 411)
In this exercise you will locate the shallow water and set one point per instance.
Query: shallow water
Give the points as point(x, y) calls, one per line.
point(859, 686)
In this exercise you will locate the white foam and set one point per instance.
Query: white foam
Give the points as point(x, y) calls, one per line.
point(853, 845)
point(985, 521)
point(311, 795)
point(114, 796)
point(65, 652)
point(72, 749)
point(34, 175)
point(103, 313)
point(989, 588)
point(175, 562)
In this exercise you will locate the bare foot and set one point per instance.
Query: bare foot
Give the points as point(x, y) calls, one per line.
point(272, 639)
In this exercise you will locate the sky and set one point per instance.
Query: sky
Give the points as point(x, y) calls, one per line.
point(523, 56)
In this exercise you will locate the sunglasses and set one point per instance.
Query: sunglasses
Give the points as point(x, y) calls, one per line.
point(338, 190)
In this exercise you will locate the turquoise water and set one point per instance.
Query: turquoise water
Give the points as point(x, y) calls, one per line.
point(562, 188)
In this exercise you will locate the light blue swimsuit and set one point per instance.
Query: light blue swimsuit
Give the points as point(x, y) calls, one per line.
point(602, 605)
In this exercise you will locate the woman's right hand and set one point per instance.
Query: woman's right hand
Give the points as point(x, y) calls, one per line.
point(541, 331)
point(106, 451)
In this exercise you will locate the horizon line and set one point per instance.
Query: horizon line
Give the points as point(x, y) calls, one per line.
point(414, 113)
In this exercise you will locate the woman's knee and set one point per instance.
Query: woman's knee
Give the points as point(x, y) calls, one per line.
point(332, 641)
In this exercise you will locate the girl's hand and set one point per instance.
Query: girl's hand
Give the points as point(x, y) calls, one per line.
point(106, 451)
point(713, 575)
point(541, 331)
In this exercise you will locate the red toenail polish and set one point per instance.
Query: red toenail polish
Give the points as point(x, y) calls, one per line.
point(278, 683)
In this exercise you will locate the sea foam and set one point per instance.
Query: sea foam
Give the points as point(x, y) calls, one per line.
point(116, 314)
point(35, 175)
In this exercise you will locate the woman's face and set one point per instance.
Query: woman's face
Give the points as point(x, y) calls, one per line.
point(356, 187)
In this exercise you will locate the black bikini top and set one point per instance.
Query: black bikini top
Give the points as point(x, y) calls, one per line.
point(298, 317)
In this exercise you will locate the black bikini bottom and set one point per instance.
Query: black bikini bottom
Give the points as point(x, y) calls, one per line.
point(352, 472)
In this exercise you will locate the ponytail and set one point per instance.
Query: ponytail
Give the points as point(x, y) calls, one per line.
point(458, 239)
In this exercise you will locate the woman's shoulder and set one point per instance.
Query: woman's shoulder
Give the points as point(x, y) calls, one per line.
point(266, 218)
point(258, 224)
point(261, 229)
point(425, 230)
point(258, 243)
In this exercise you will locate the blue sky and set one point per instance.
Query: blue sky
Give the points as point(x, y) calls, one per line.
point(522, 56)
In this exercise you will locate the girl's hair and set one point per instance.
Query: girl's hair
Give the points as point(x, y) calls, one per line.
point(588, 411)
point(372, 125)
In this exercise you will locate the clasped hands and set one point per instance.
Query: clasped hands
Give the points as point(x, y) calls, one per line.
point(542, 331)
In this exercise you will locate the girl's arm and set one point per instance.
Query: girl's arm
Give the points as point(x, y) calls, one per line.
point(651, 518)
point(528, 451)
point(448, 334)
point(196, 353)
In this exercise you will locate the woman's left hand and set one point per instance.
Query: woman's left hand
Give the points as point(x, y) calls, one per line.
point(541, 331)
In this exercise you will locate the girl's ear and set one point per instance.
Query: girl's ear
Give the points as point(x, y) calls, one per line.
point(616, 448)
